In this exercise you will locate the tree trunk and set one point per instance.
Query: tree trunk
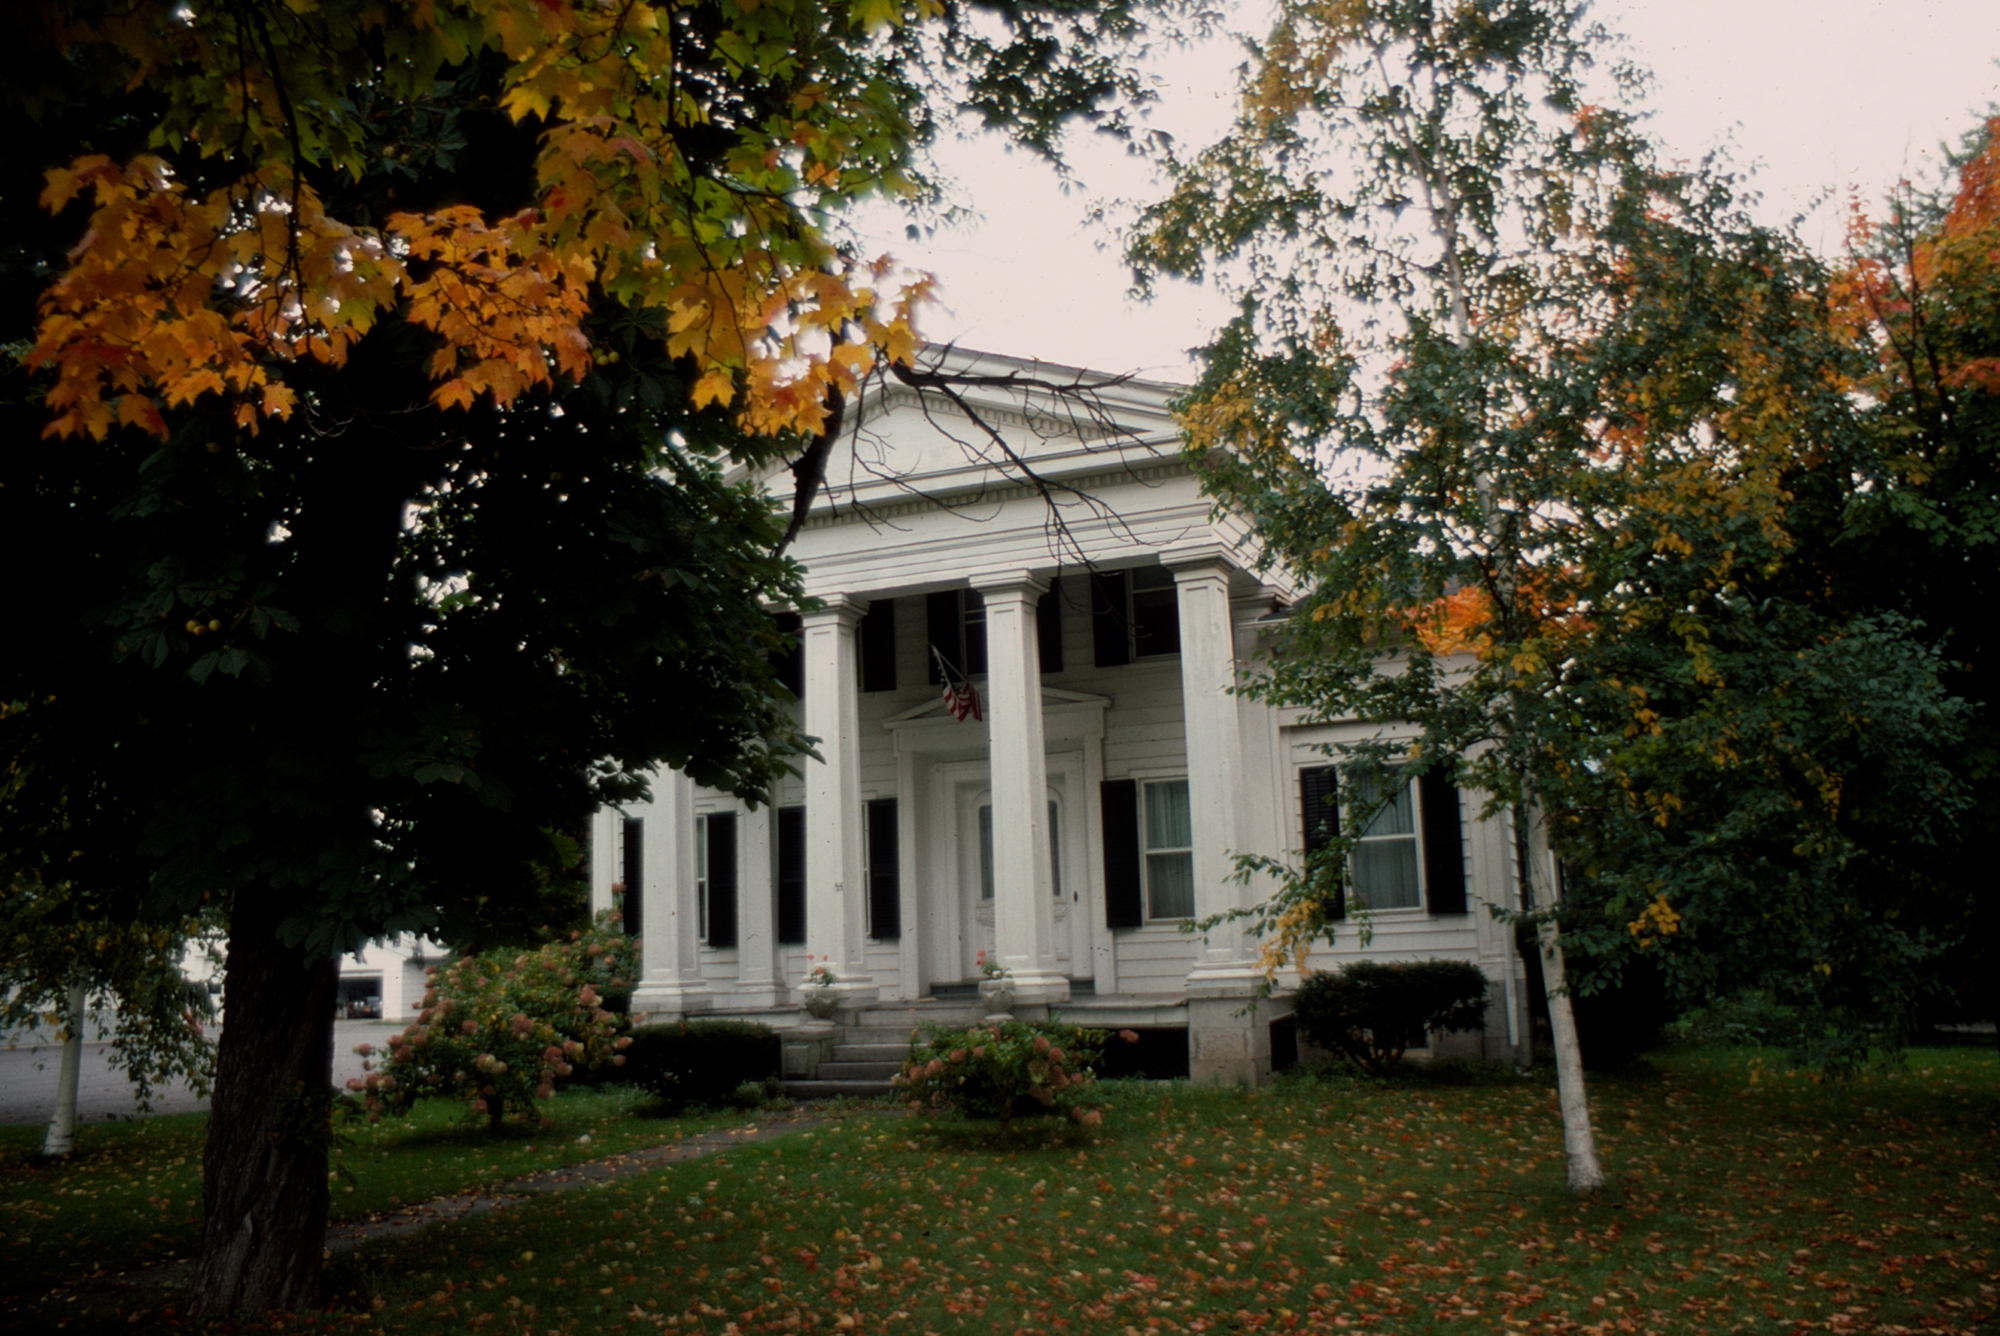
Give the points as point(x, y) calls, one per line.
point(265, 1196)
point(61, 1139)
point(1579, 1142)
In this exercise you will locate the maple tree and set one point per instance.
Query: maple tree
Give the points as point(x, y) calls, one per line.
point(382, 380)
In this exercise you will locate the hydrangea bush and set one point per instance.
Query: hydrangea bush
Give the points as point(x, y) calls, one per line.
point(502, 1029)
point(993, 1071)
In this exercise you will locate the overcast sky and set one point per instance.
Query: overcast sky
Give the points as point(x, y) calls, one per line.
point(1820, 95)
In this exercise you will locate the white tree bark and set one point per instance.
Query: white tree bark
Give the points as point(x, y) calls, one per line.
point(1579, 1141)
point(61, 1138)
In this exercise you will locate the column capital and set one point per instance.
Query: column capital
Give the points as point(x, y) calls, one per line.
point(1033, 583)
point(844, 609)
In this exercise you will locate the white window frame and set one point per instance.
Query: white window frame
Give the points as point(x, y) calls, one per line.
point(701, 878)
point(1147, 851)
point(1393, 774)
point(1132, 592)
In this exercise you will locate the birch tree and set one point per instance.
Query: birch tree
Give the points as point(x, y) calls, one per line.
point(1408, 212)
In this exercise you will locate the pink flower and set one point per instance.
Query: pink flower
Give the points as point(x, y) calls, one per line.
point(1055, 1055)
point(933, 1067)
point(544, 1090)
point(479, 1106)
point(958, 1055)
point(622, 1041)
point(588, 997)
point(979, 1052)
point(469, 1027)
point(365, 1050)
point(354, 1083)
point(1129, 1036)
point(552, 1055)
point(617, 1059)
point(1041, 1043)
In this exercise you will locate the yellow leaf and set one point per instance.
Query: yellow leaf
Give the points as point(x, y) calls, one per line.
point(716, 386)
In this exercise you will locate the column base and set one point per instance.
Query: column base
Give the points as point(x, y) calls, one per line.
point(667, 1001)
point(1229, 1026)
point(1041, 988)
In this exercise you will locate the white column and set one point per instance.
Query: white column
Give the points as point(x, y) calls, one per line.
point(671, 982)
point(836, 904)
point(1225, 1043)
point(604, 856)
point(1023, 922)
point(757, 981)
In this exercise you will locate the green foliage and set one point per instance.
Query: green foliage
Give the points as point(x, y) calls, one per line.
point(1642, 519)
point(997, 1071)
point(1375, 1011)
point(703, 1063)
point(136, 995)
point(503, 1028)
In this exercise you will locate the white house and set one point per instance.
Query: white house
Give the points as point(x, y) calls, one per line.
point(1097, 807)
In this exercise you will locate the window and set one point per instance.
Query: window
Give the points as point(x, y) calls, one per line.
point(788, 663)
point(1055, 850)
point(1134, 615)
point(631, 871)
point(1385, 854)
point(882, 874)
point(790, 857)
point(877, 646)
point(956, 619)
point(715, 878)
point(1412, 854)
point(1169, 850)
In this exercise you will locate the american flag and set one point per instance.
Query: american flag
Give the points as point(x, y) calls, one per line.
point(961, 698)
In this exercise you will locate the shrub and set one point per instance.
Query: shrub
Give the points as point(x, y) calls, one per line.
point(504, 1027)
point(997, 1071)
point(1373, 1011)
point(703, 1062)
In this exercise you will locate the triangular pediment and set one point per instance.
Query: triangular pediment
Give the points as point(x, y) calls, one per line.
point(1053, 698)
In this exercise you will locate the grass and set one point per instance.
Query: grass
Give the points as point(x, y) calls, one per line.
point(1742, 1199)
point(131, 1195)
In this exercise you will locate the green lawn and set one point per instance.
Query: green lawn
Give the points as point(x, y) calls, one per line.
point(132, 1193)
point(1741, 1200)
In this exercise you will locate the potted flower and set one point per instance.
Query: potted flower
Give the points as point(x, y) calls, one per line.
point(996, 985)
point(817, 990)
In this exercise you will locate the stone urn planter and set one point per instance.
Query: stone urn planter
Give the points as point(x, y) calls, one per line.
point(997, 995)
point(820, 1003)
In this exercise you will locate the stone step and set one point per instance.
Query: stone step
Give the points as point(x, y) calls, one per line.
point(849, 1052)
point(858, 1071)
point(837, 1089)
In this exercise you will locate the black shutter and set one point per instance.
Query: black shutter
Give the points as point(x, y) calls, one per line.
point(942, 619)
point(1521, 860)
point(792, 876)
point(632, 871)
point(1124, 887)
point(722, 879)
point(885, 886)
point(878, 646)
point(1109, 636)
point(789, 665)
point(1319, 803)
point(1444, 843)
point(1048, 628)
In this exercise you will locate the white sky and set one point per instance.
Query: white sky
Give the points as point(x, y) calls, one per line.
point(1821, 95)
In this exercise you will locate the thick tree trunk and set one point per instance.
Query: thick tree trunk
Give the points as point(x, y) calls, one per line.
point(61, 1139)
point(1579, 1141)
point(265, 1194)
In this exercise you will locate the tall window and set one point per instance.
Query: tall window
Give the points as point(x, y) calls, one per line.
point(956, 622)
point(1385, 857)
point(631, 871)
point(1168, 828)
point(715, 878)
